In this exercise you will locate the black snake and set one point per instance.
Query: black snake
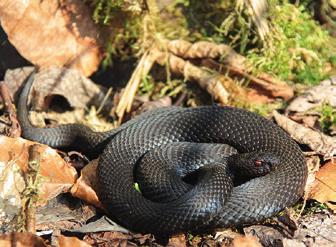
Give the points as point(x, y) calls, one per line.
point(153, 141)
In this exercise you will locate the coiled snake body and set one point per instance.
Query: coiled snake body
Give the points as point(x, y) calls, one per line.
point(213, 202)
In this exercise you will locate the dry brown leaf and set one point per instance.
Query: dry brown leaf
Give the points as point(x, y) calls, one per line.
point(324, 186)
point(56, 176)
point(86, 185)
point(313, 164)
point(246, 241)
point(109, 239)
point(316, 140)
point(71, 242)
point(317, 229)
point(15, 77)
point(21, 239)
point(78, 90)
point(292, 243)
point(178, 241)
point(63, 33)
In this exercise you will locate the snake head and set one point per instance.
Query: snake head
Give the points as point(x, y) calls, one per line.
point(265, 162)
point(251, 165)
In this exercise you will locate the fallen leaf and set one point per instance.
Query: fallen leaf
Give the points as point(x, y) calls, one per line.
point(315, 96)
point(246, 241)
point(71, 242)
point(108, 239)
point(63, 212)
point(324, 186)
point(286, 242)
point(21, 239)
point(205, 49)
point(313, 164)
point(56, 175)
point(317, 229)
point(267, 235)
point(177, 240)
point(78, 90)
point(70, 39)
point(14, 79)
point(226, 234)
point(151, 105)
point(104, 224)
point(87, 184)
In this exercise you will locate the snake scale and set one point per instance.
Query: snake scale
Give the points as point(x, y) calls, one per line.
point(151, 142)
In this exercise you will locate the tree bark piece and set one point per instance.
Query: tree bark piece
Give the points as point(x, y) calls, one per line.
point(317, 141)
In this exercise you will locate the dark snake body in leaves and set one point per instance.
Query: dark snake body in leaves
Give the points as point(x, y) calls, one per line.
point(171, 142)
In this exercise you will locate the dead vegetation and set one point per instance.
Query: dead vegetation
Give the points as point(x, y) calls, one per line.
point(252, 54)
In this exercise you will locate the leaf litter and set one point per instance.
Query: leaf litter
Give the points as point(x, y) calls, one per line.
point(108, 232)
point(59, 216)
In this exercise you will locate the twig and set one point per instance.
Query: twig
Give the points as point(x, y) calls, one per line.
point(31, 191)
point(144, 66)
point(108, 93)
point(14, 129)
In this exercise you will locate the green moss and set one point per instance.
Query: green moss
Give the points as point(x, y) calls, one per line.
point(327, 118)
point(297, 49)
point(302, 50)
point(146, 86)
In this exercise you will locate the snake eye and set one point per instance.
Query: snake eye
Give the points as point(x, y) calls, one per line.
point(257, 163)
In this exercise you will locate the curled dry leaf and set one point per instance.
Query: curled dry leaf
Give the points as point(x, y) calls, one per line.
point(55, 175)
point(315, 96)
point(72, 85)
point(71, 242)
point(324, 186)
point(21, 239)
point(70, 39)
point(205, 49)
point(87, 184)
point(260, 89)
point(15, 77)
point(316, 140)
point(313, 164)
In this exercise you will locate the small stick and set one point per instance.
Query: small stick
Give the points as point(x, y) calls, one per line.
point(32, 189)
point(14, 129)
